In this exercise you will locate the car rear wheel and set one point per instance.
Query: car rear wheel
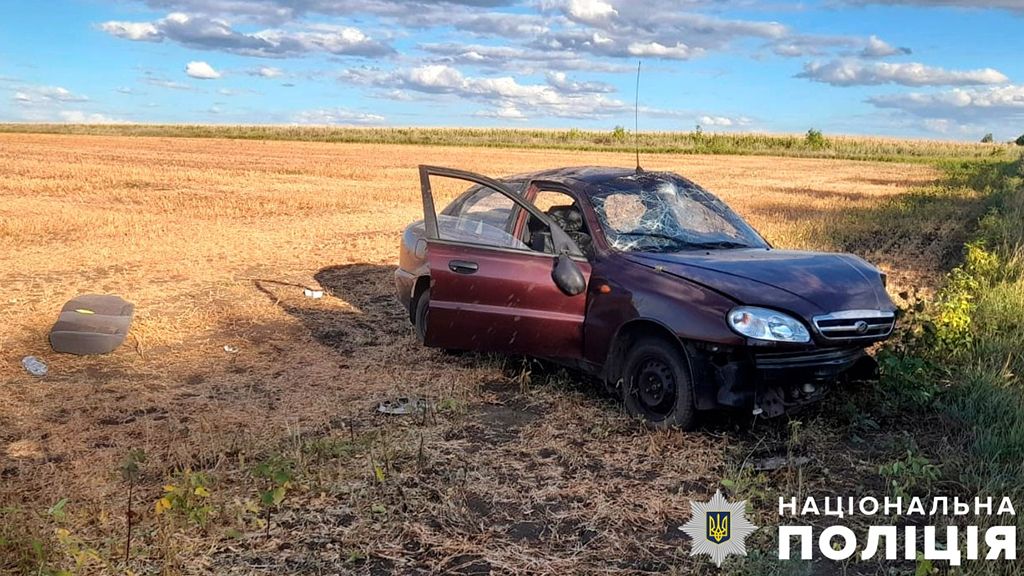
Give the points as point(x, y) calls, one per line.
point(420, 315)
point(656, 385)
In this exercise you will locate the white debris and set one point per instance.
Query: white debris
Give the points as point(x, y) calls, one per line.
point(35, 366)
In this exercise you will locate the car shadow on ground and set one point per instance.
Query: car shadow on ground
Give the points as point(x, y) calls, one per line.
point(360, 316)
point(359, 309)
point(370, 319)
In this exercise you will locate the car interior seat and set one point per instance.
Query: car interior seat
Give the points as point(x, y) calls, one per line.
point(569, 219)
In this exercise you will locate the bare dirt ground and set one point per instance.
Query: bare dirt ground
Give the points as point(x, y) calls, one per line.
point(516, 468)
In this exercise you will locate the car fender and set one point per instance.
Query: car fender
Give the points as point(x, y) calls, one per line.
point(687, 310)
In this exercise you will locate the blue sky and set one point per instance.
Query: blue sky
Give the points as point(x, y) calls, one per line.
point(934, 68)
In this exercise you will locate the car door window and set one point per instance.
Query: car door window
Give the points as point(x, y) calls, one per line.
point(483, 218)
point(564, 211)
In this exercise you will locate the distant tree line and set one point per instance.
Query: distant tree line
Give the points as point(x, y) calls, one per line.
point(988, 139)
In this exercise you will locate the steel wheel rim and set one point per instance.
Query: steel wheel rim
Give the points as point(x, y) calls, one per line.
point(654, 388)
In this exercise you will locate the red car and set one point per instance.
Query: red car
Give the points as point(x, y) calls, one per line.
point(642, 279)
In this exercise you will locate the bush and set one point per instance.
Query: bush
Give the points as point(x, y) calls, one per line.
point(1019, 141)
point(815, 139)
point(619, 134)
point(987, 139)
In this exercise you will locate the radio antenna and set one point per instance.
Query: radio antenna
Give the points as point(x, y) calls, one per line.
point(636, 119)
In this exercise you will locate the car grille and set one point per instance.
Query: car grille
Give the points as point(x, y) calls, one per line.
point(819, 358)
point(855, 324)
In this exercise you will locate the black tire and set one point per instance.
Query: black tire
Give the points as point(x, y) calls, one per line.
point(420, 315)
point(656, 385)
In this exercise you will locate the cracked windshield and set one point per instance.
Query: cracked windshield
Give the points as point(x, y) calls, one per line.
point(664, 213)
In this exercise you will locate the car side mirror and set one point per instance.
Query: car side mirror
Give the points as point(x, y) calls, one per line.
point(568, 276)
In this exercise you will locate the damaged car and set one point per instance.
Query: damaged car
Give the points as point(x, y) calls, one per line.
point(642, 279)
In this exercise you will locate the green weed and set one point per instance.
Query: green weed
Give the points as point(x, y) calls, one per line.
point(276, 475)
point(913, 474)
point(186, 498)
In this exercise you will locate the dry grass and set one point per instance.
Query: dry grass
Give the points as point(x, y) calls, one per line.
point(518, 469)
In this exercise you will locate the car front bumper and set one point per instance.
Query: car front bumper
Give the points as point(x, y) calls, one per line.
point(770, 381)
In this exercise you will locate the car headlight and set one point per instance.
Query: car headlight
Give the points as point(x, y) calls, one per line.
point(765, 324)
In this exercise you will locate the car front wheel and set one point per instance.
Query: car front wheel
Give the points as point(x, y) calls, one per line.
point(656, 385)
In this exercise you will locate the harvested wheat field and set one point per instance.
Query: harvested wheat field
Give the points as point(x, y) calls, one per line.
point(230, 372)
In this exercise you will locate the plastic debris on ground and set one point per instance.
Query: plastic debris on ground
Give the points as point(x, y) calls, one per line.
point(402, 405)
point(35, 366)
point(231, 349)
point(313, 293)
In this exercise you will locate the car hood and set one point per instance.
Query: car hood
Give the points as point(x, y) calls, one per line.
point(807, 283)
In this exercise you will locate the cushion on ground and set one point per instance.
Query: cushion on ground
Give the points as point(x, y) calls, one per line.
point(92, 324)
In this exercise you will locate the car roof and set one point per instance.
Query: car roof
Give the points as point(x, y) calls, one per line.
point(585, 174)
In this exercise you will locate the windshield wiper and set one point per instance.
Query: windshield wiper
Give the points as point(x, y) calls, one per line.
point(680, 243)
point(723, 244)
point(654, 235)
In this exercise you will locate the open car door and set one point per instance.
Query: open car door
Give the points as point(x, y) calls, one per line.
point(489, 291)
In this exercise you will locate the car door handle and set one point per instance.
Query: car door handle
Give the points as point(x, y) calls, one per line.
point(463, 266)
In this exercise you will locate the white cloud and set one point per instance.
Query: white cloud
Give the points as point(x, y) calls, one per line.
point(518, 59)
point(978, 4)
point(564, 84)
point(138, 31)
point(501, 92)
point(435, 78)
point(796, 45)
point(562, 34)
point(679, 51)
point(847, 72)
point(1006, 102)
point(715, 121)
point(657, 29)
point(343, 116)
point(504, 111)
point(723, 121)
point(79, 117)
point(492, 46)
point(878, 48)
point(27, 95)
point(51, 103)
point(170, 84)
point(235, 92)
point(940, 125)
point(282, 11)
point(962, 111)
point(201, 70)
point(203, 32)
point(801, 45)
point(590, 10)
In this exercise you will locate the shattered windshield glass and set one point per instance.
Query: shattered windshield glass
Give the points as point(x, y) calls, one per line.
point(659, 212)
